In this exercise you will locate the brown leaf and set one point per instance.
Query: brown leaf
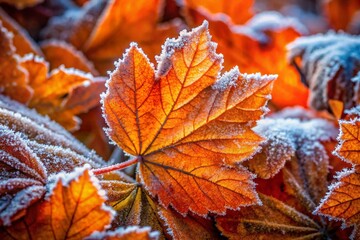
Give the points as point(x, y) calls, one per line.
point(272, 220)
point(189, 227)
point(104, 32)
point(22, 175)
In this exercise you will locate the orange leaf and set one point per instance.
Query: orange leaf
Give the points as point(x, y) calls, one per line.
point(342, 200)
point(63, 93)
point(187, 126)
point(259, 46)
point(239, 11)
point(104, 32)
point(74, 210)
point(349, 147)
point(132, 205)
point(59, 53)
point(14, 79)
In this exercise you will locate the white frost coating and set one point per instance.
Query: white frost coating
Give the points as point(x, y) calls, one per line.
point(72, 71)
point(121, 231)
point(228, 79)
point(326, 57)
point(33, 57)
point(268, 21)
point(287, 136)
point(171, 45)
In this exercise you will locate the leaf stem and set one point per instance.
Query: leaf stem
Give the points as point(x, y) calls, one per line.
point(115, 167)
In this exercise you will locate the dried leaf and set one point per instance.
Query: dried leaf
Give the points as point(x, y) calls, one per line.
point(41, 133)
point(288, 138)
point(73, 210)
point(20, 4)
point(22, 176)
point(189, 227)
point(133, 205)
point(272, 220)
point(208, 118)
point(14, 79)
point(329, 63)
point(259, 46)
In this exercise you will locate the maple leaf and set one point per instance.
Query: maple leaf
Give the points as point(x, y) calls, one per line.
point(73, 210)
point(103, 32)
point(209, 119)
point(22, 176)
point(259, 47)
point(14, 79)
point(329, 64)
point(342, 200)
point(230, 8)
point(76, 93)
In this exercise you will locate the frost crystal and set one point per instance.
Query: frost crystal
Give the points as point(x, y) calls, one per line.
point(329, 63)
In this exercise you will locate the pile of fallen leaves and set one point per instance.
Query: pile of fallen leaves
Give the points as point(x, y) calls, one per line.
point(247, 126)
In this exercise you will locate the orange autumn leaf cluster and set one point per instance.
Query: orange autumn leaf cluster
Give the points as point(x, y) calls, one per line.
point(189, 148)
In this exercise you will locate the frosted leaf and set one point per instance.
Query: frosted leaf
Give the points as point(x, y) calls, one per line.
point(39, 128)
point(130, 232)
point(299, 141)
point(75, 25)
point(22, 176)
point(329, 64)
